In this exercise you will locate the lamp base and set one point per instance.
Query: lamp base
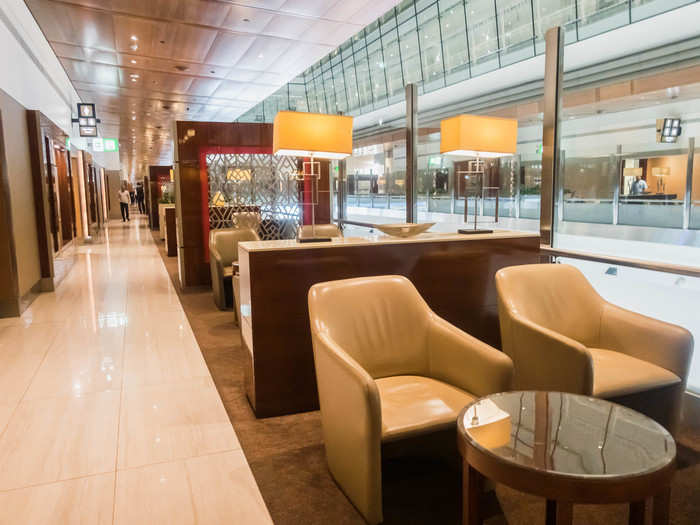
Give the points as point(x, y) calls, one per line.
point(472, 231)
point(314, 239)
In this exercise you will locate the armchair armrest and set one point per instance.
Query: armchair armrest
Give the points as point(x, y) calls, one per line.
point(217, 274)
point(215, 258)
point(352, 425)
point(462, 360)
point(548, 360)
point(663, 344)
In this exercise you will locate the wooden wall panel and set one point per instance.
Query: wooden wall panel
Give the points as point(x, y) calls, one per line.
point(456, 278)
point(191, 138)
point(9, 287)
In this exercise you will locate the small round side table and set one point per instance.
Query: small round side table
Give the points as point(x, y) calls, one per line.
point(568, 449)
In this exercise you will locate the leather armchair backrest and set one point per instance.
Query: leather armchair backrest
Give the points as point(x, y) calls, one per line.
point(320, 230)
point(555, 296)
point(247, 219)
point(226, 242)
point(381, 322)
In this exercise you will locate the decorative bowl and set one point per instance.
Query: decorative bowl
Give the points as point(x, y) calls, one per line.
point(404, 229)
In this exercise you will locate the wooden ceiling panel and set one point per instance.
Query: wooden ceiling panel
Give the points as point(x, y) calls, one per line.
point(247, 19)
point(204, 86)
point(73, 25)
point(311, 8)
point(284, 26)
point(228, 48)
point(194, 11)
point(298, 57)
point(190, 59)
point(185, 42)
point(146, 31)
point(83, 71)
point(229, 89)
point(263, 53)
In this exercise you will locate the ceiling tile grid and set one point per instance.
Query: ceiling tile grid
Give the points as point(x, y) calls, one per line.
point(146, 63)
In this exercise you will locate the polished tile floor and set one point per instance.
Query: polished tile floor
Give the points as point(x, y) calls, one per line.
point(108, 413)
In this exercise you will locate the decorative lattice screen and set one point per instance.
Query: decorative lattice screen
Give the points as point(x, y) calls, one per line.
point(247, 182)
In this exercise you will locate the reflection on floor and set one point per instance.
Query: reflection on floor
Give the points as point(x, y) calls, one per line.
point(287, 459)
point(108, 413)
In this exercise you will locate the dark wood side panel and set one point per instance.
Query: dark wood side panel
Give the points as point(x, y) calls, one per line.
point(170, 233)
point(191, 137)
point(41, 199)
point(64, 194)
point(455, 278)
point(9, 286)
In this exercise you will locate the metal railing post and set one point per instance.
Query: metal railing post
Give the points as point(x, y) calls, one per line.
point(687, 199)
point(554, 62)
point(411, 152)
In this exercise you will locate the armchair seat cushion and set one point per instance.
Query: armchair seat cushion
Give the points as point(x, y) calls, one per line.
point(412, 405)
point(616, 374)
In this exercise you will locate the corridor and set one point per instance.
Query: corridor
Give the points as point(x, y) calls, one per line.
point(108, 413)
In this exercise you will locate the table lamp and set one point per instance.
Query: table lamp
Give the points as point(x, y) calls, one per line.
point(481, 137)
point(316, 136)
point(660, 174)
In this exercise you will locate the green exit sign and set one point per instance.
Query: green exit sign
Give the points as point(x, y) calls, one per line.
point(111, 145)
point(539, 149)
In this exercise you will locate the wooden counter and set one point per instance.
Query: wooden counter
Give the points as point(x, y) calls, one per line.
point(454, 273)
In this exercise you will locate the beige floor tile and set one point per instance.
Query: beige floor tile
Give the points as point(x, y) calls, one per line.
point(163, 423)
point(154, 362)
point(75, 370)
point(5, 415)
point(80, 501)
point(205, 490)
point(22, 349)
point(59, 438)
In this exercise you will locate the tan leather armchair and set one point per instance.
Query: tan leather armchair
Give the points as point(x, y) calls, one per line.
point(247, 219)
point(389, 368)
point(223, 252)
point(321, 230)
point(562, 335)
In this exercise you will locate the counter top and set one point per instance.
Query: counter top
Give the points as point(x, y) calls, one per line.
point(379, 239)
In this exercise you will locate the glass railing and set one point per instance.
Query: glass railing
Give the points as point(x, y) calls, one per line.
point(437, 43)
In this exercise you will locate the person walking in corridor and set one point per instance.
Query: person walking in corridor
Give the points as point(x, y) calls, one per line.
point(139, 198)
point(124, 201)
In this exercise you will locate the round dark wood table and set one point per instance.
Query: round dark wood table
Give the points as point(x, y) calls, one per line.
point(568, 449)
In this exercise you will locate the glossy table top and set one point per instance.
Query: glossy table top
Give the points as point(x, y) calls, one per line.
point(378, 239)
point(566, 435)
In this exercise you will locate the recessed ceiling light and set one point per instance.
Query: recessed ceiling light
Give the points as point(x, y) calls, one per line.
point(260, 55)
point(133, 61)
point(134, 38)
point(134, 47)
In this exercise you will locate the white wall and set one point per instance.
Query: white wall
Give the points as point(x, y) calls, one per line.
point(31, 73)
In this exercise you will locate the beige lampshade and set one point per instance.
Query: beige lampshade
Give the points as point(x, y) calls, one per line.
point(312, 134)
point(472, 135)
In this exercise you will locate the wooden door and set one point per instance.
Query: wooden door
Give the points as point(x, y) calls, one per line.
point(53, 201)
point(64, 195)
